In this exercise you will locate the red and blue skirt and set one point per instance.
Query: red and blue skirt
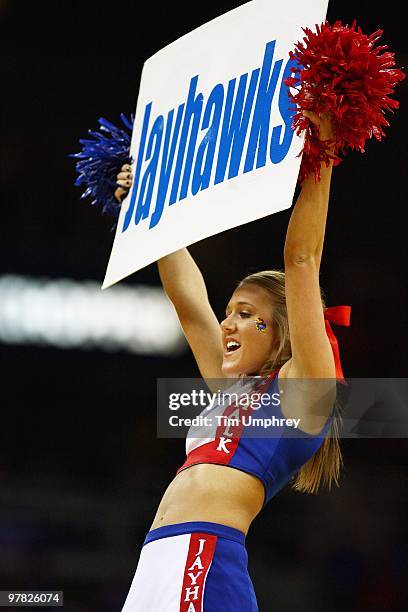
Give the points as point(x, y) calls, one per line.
point(192, 567)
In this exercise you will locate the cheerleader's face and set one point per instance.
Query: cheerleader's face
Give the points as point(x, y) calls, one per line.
point(248, 304)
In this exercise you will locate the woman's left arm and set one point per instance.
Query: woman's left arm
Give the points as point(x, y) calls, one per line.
point(312, 356)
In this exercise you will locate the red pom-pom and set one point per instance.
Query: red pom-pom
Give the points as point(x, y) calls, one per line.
point(341, 71)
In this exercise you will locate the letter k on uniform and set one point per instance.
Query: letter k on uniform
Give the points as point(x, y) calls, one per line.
point(222, 445)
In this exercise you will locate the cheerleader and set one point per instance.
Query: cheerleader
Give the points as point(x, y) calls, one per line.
point(276, 329)
point(275, 326)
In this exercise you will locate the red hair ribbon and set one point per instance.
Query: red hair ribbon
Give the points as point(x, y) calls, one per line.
point(338, 315)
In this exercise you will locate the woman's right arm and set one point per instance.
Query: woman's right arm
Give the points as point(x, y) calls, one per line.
point(184, 285)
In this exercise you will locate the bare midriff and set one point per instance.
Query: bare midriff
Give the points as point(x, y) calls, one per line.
point(211, 493)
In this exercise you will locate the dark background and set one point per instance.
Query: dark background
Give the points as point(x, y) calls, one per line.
point(81, 469)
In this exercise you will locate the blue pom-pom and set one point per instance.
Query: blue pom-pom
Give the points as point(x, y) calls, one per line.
point(101, 160)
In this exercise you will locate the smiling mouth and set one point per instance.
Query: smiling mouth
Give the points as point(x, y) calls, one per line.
point(231, 351)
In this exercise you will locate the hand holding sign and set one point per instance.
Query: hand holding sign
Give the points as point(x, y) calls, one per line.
point(125, 180)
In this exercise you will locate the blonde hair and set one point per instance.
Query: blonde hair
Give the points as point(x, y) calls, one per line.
point(325, 465)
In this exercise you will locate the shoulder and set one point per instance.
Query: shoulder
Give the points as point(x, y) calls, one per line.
point(284, 370)
point(309, 399)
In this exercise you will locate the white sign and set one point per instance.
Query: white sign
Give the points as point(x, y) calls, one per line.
point(212, 141)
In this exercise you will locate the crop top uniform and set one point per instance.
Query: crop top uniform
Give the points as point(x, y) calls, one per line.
point(273, 457)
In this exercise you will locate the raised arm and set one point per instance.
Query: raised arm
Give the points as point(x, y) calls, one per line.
point(306, 229)
point(312, 355)
point(185, 287)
